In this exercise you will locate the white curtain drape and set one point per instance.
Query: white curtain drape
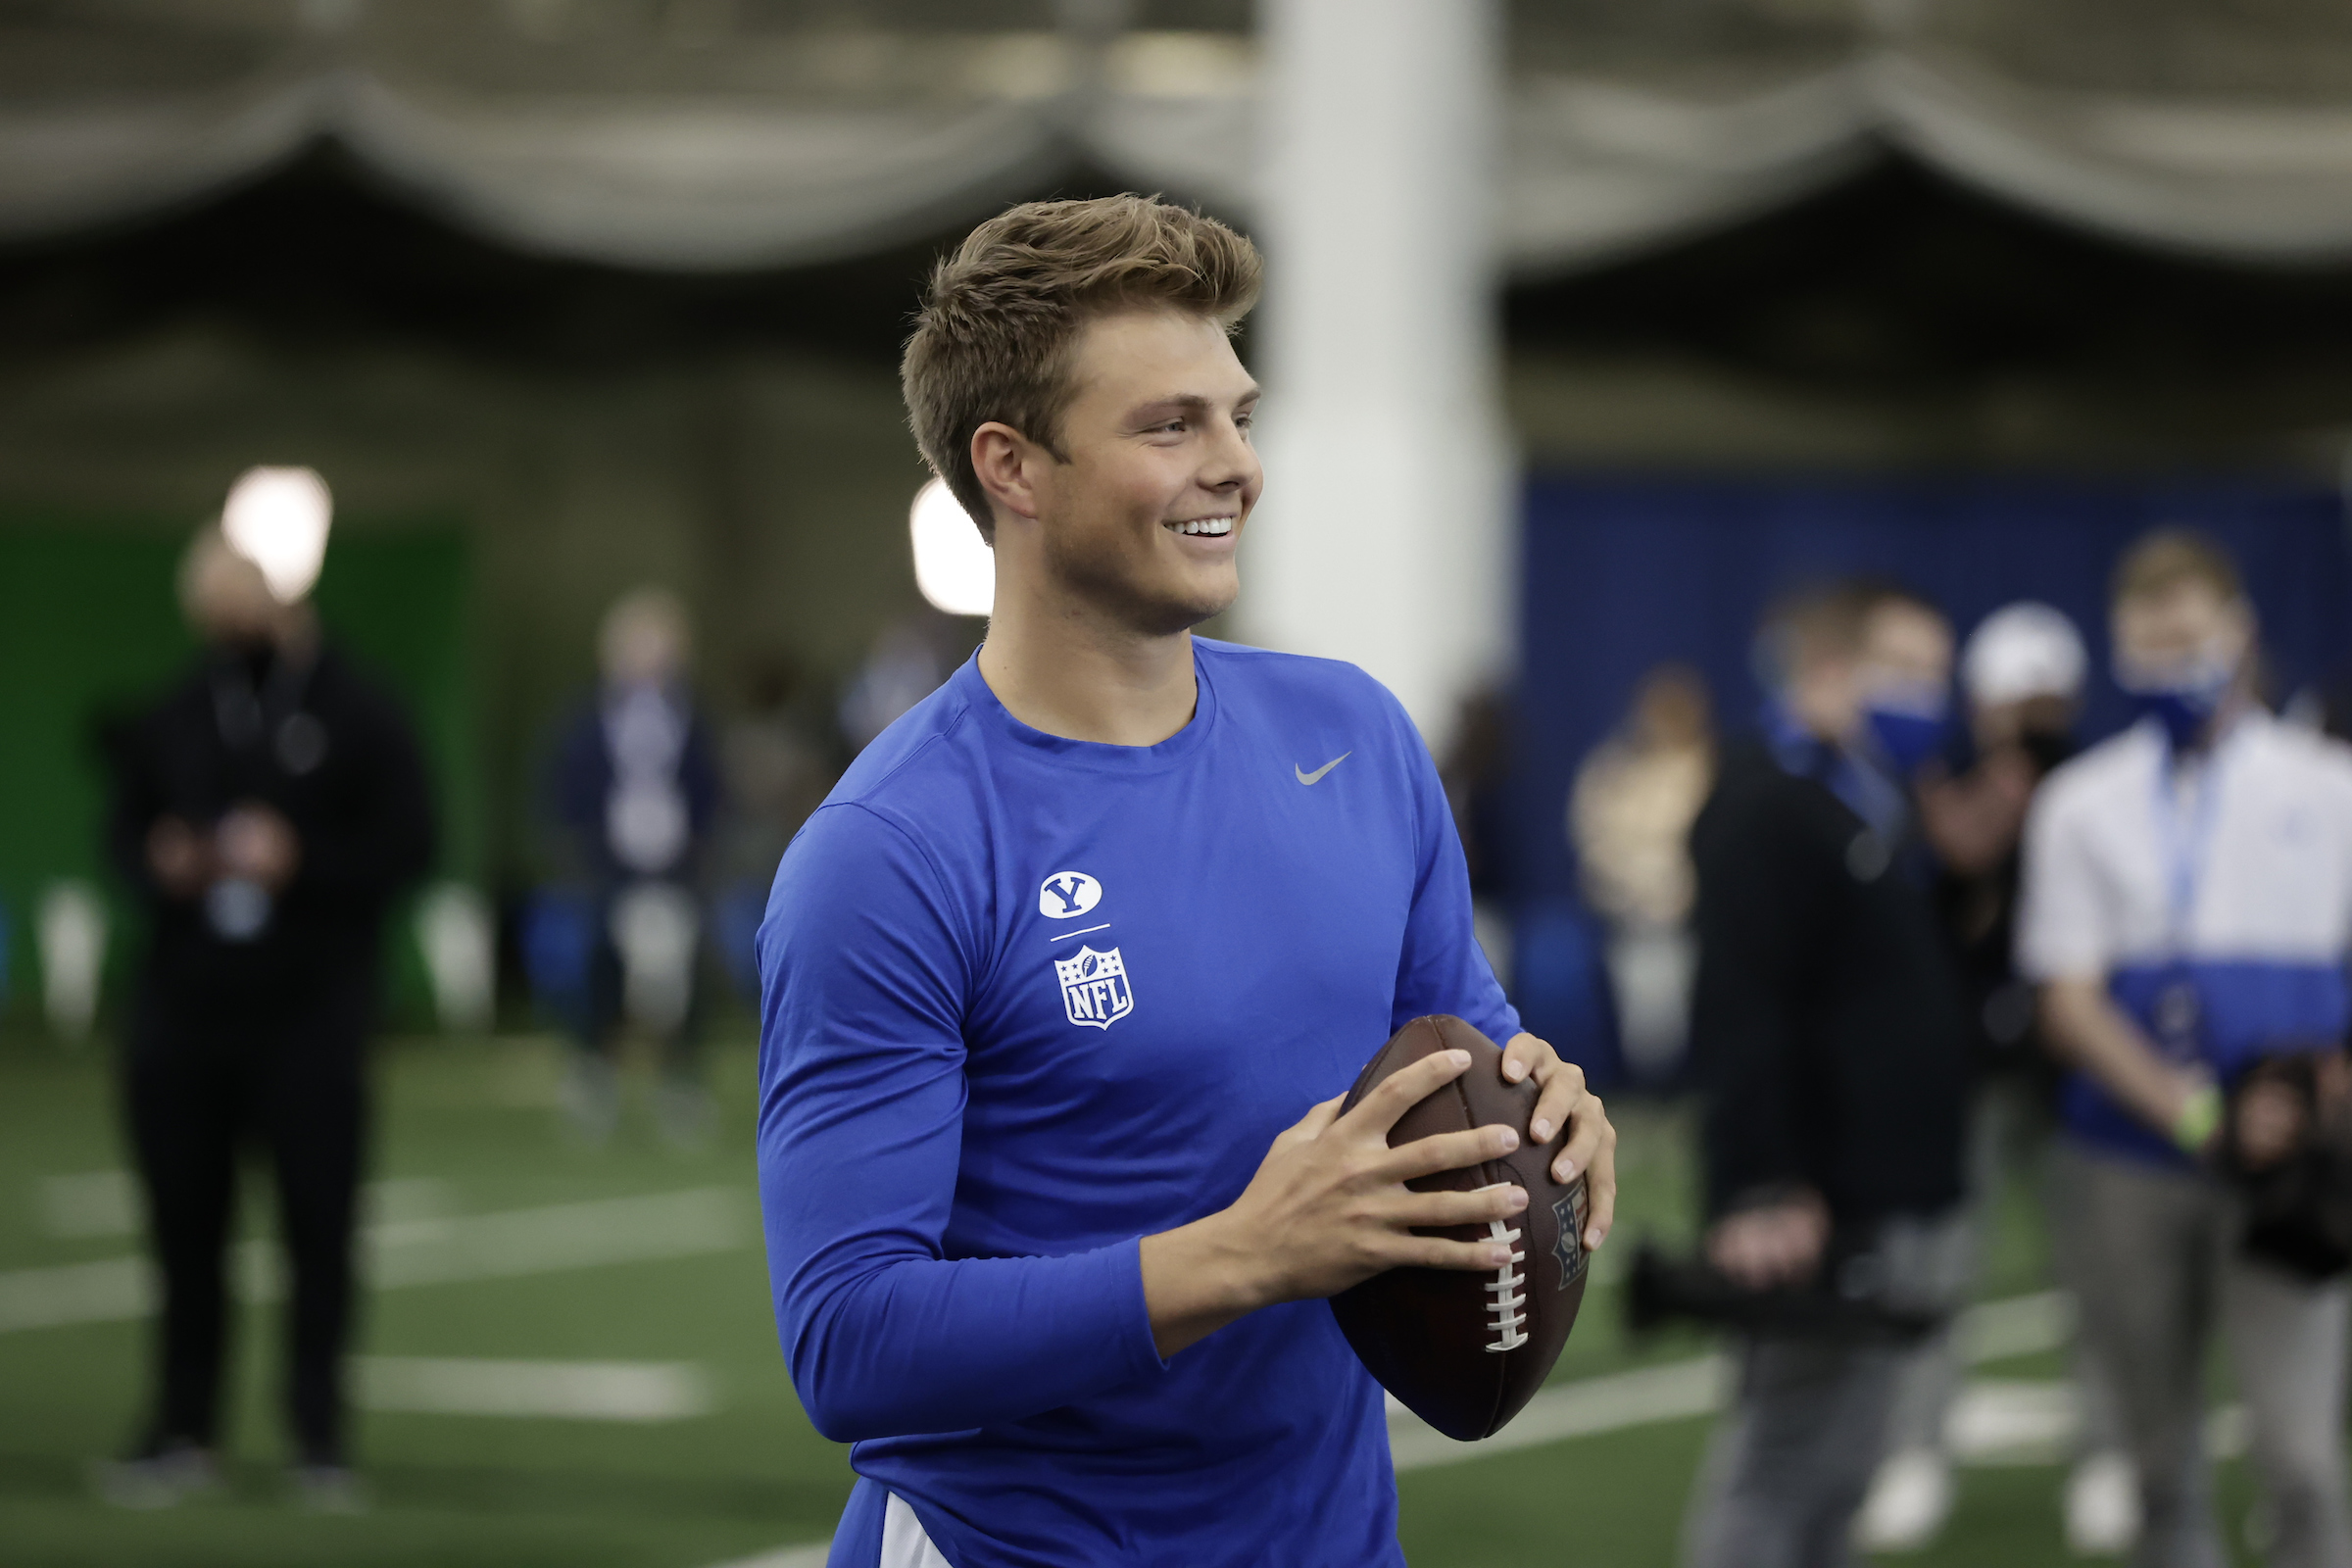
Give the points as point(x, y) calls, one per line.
point(1596, 166)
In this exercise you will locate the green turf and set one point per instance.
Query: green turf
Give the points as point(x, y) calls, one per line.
point(479, 1116)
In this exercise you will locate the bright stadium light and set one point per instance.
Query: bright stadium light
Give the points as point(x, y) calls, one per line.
point(277, 518)
point(954, 565)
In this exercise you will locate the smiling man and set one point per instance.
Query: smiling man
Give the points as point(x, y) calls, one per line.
point(1063, 985)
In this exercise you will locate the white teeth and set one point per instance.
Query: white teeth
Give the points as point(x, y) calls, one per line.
point(1214, 527)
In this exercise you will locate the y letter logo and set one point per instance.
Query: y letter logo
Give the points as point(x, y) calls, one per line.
point(1066, 894)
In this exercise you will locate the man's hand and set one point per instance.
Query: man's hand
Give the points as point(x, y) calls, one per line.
point(1329, 1207)
point(1772, 1244)
point(1567, 1109)
point(177, 857)
point(256, 842)
point(2269, 1121)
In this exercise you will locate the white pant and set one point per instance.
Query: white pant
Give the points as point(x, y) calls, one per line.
point(904, 1543)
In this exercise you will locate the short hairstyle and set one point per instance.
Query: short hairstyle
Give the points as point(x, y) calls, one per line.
point(1830, 615)
point(2164, 559)
point(993, 339)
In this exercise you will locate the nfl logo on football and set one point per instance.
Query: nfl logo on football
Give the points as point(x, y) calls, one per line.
point(1094, 987)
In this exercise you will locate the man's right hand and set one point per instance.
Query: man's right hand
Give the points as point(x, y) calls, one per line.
point(178, 858)
point(1771, 1245)
point(1328, 1209)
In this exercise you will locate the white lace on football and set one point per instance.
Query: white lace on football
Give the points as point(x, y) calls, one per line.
point(1508, 1320)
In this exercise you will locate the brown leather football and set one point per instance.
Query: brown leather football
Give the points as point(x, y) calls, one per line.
point(1466, 1351)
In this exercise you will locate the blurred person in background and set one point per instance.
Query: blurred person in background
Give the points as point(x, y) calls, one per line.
point(2022, 673)
point(1629, 820)
point(266, 809)
point(2186, 911)
point(909, 659)
point(636, 791)
point(1476, 771)
point(778, 757)
point(1829, 1058)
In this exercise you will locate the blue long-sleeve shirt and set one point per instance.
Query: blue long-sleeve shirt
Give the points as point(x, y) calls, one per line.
point(1027, 1000)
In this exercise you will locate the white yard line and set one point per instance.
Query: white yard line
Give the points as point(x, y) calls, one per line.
point(690, 1223)
point(553, 1390)
point(811, 1556)
point(1993, 1331)
point(1675, 1390)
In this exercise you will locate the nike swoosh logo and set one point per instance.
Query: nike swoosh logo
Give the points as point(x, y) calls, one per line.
point(1316, 778)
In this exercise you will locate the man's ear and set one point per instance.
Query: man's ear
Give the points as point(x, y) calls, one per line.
point(1005, 460)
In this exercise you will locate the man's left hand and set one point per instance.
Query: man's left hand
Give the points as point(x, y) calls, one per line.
point(1568, 1113)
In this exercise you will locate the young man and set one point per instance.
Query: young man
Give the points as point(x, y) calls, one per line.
point(2187, 912)
point(1827, 1045)
point(1063, 985)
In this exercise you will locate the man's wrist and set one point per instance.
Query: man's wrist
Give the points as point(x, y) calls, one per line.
point(2199, 1118)
point(1196, 1281)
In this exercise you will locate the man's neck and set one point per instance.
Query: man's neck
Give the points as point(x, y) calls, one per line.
point(1067, 670)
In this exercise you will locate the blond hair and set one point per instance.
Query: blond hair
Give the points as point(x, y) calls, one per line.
point(993, 339)
point(2164, 559)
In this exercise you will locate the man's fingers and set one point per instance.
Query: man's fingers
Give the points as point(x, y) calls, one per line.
point(1426, 1157)
point(1589, 1131)
point(1317, 1118)
point(1407, 1087)
point(1522, 1054)
point(1504, 1201)
point(1435, 1251)
point(1600, 1195)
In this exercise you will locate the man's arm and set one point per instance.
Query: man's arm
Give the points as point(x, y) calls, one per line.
point(2067, 941)
point(2087, 1031)
point(1756, 915)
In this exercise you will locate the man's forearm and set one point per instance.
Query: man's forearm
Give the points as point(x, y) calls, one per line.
point(1194, 1283)
point(2087, 1030)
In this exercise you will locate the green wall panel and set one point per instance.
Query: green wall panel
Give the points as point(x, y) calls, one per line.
point(89, 626)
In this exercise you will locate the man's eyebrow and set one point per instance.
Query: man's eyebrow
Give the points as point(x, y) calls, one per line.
point(1188, 402)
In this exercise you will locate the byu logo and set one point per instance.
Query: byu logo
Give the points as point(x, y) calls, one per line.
point(1068, 893)
point(1094, 987)
point(1568, 1216)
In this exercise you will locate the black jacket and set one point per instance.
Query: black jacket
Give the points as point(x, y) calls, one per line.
point(335, 755)
point(1828, 1040)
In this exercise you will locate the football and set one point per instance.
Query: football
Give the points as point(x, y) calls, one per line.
point(1466, 1351)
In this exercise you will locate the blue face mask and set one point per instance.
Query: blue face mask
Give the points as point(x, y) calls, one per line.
point(1905, 737)
point(2182, 710)
point(2182, 700)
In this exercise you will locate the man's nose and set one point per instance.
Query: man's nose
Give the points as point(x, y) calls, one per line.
point(1233, 462)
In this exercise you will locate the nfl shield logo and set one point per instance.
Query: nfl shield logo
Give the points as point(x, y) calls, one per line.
point(1094, 987)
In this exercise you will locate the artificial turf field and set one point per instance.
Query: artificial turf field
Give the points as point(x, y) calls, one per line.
point(505, 1239)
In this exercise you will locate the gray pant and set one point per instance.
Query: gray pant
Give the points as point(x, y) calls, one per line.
point(2155, 1259)
point(2010, 1128)
point(1788, 1464)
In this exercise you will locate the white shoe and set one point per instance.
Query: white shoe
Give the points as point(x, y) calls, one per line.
point(164, 1479)
point(329, 1488)
point(1910, 1499)
point(2102, 1506)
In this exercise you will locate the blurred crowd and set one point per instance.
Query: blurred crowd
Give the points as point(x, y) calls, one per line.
point(1907, 938)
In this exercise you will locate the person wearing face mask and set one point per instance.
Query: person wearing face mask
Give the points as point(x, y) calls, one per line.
point(636, 794)
point(1830, 1060)
point(266, 812)
point(2022, 672)
point(2187, 914)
